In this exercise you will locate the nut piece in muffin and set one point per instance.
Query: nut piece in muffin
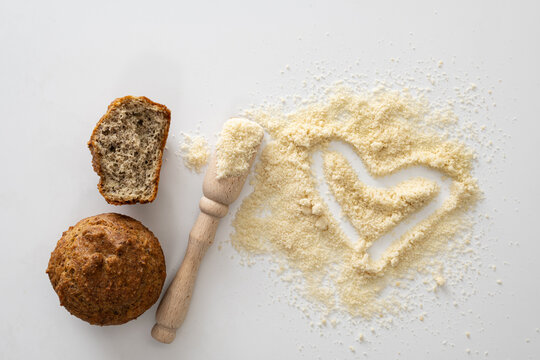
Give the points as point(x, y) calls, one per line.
point(127, 149)
point(107, 269)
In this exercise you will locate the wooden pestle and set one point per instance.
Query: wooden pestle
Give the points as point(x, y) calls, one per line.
point(218, 195)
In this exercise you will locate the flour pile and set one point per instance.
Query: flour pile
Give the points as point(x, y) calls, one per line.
point(287, 217)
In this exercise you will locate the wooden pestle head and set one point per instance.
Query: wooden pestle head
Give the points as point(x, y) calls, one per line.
point(244, 136)
point(226, 190)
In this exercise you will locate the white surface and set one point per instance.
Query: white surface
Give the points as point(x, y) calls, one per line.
point(62, 63)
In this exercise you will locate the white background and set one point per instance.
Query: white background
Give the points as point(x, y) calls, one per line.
point(62, 63)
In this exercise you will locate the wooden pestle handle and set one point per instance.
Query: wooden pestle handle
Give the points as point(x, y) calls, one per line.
point(175, 303)
point(218, 195)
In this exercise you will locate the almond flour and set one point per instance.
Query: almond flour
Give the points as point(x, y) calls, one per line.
point(238, 142)
point(194, 152)
point(286, 216)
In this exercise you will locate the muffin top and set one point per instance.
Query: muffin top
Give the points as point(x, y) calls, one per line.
point(107, 269)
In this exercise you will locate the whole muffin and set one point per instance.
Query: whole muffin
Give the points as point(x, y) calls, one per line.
point(107, 269)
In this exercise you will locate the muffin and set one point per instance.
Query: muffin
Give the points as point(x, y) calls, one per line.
point(127, 149)
point(107, 269)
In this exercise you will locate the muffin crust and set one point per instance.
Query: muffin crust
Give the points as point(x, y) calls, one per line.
point(107, 269)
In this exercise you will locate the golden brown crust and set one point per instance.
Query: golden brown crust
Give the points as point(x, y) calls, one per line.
point(95, 156)
point(107, 269)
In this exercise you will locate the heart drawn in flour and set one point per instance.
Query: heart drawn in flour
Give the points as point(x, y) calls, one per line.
point(379, 216)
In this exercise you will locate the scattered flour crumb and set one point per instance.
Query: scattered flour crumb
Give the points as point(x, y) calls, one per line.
point(440, 280)
point(194, 152)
